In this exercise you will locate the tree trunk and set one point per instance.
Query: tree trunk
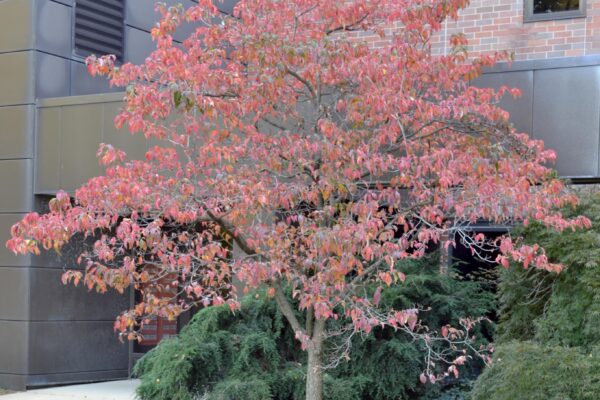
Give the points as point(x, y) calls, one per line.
point(444, 254)
point(314, 373)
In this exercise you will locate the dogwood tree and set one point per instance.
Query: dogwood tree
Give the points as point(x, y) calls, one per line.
point(324, 160)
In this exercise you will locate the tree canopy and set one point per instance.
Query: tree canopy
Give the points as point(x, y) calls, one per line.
point(324, 158)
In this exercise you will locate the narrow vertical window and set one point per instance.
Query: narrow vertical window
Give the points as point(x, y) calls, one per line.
point(99, 27)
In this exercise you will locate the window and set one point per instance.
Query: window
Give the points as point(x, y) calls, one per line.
point(99, 27)
point(544, 10)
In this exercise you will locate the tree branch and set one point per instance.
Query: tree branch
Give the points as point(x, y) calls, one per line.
point(310, 318)
point(230, 230)
point(274, 124)
point(304, 81)
point(347, 28)
point(286, 309)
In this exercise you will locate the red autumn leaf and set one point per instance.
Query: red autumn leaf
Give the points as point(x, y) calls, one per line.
point(444, 331)
point(377, 296)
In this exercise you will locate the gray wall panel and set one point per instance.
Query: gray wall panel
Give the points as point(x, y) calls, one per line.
point(134, 145)
point(54, 25)
point(140, 14)
point(83, 83)
point(566, 116)
point(49, 127)
point(81, 135)
point(138, 45)
point(13, 382)
point(53, 76)
point(16, 83)
point(67, 258)
point(7, 258)
point(14, 337)
point(16, 132)
point(69, 132)
point(61, 347)
point(16, 25)
point(14, 294)
point(75, 377)
point(226, 6)
point(18, 176)
point(520, 108)
point(69, 302)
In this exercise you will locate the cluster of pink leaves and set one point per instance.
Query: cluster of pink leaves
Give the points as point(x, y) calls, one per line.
point(323, 160)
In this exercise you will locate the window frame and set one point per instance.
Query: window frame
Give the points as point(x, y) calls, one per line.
point(529, 16)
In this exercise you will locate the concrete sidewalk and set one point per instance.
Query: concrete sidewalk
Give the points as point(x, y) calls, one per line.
point(115, 390)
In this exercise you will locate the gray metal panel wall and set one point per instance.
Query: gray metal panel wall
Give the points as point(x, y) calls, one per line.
point(520, 108)
point(16, 83)
point(72, 127)
point(16, 25)
point(37, 61)
point(14, 337)
point(71, 329)
point(16, 131)
point(54, 28)
point(54, 42)
point(60, 71)
point(14, 290)
point(138, 45)
point(18, 176)
point(560, 105)
point(36, 380)
point(75, 346)
point(66, 331)
point(17, 96)
point(70, 303)
point(566, 115)
point(140, 16)
point(68, 138)
point(52, 76)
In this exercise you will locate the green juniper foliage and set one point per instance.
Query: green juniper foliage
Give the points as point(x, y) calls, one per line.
point(253, 355)
point(565, 308)
point(549, 331)
point(534, 371)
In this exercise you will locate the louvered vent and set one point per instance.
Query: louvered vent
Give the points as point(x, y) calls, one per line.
point(99, 27)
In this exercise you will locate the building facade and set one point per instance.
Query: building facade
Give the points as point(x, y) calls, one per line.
point(556, 48)
point(53, 116)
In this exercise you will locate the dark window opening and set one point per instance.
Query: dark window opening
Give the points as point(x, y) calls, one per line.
point(99, 27)
point(548, 6)
point(475, 266)
point(480, 266)
point(543, 10)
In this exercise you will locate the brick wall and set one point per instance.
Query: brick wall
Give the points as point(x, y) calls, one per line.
point(492, 25)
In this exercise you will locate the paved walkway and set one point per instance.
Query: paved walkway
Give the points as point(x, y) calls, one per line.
point(116, 390)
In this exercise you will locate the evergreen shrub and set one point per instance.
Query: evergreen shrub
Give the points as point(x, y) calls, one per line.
point(252, 354)
point(549, 331)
